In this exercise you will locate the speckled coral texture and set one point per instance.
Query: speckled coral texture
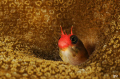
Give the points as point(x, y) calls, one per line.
point(29, 32)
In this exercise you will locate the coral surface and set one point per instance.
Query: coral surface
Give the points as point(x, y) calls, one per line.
point(30, 30)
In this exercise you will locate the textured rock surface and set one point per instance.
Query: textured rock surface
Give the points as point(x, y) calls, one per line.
point(29, 31)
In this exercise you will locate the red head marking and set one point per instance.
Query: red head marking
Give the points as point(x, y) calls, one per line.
point(64, 41)
point(71, 30)
point(61, 30)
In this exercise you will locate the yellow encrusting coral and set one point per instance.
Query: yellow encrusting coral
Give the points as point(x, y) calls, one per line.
point(29, 32)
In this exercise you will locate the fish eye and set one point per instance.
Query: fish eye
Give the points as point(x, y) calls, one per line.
point(74, 39)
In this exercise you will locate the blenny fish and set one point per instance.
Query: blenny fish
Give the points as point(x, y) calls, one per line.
point(71, 49)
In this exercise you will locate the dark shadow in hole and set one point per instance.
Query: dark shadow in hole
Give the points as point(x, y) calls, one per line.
point(90, 48)
point(45, 55)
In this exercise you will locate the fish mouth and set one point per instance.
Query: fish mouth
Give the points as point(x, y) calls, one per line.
point(69, 48)
point(64, 49)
